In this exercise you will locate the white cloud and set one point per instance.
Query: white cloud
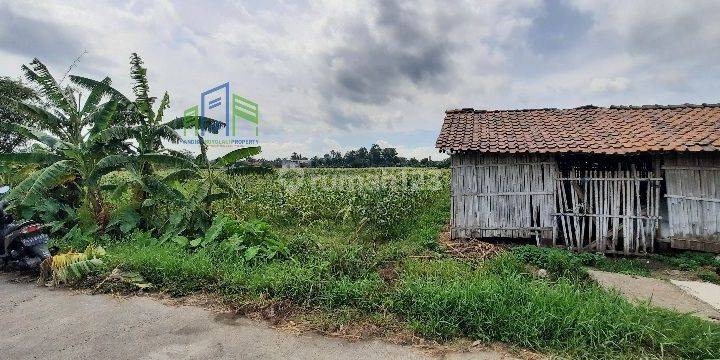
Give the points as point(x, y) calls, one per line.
point(331, 144)
point(304, 62)
point(617, 84)
point(274, 150)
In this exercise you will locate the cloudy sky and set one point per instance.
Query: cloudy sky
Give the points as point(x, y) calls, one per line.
point(339, 74)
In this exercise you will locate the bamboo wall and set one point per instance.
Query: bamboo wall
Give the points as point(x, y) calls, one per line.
point(611, 211)
point(693, 199)
point(588, 205)
point(502, 195)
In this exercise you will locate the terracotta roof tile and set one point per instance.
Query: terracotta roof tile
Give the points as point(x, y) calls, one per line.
point(589, 129)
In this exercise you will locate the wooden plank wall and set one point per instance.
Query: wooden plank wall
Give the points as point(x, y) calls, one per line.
point(693, 198)
point(502, 195)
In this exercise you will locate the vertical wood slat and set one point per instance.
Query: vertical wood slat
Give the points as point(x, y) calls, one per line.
point(606, 207)
point(502, 195)
point(693, 182)
point(637, 203)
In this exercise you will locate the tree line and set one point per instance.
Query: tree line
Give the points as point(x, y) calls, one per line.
point(375, 156)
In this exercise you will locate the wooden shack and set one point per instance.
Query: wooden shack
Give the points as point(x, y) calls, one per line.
point(619, 179)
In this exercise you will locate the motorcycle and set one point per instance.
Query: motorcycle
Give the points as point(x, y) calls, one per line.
point(23, 244)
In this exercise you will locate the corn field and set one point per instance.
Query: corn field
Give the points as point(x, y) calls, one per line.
point(380, 200)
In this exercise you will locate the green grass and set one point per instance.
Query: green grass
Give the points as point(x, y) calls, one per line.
point(560, 262)
point(444, 299)
point(690, 260)
point(336, 273)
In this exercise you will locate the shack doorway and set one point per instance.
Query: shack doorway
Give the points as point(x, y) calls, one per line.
point(607, 203)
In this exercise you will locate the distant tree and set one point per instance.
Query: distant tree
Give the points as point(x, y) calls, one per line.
point(363, 157)
point(390, 157)
point(375, 156)
point(296, 156)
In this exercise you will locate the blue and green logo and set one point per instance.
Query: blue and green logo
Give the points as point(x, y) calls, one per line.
point(240, 115)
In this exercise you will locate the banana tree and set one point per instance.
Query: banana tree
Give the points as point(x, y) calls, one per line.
point(211, 185)
point(62, 163)
point(147, 129)
point(70, 149)
point(61, 111)
point(146, 126)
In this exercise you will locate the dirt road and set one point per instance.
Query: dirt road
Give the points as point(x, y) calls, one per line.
point(42, 323)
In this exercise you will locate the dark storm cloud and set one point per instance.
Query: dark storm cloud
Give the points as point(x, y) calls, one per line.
point(30, 37)
point(398, 45)
point(558, 27)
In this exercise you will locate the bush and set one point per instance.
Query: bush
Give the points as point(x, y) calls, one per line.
point(708, 274)
point(250, 241)
point(563, 263)
point(558, 263)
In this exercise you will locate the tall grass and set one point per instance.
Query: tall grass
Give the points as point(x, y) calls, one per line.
point(444, 300)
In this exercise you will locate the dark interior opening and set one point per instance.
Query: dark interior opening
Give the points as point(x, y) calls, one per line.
point(600, 209)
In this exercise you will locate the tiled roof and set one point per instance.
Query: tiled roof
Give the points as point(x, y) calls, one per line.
point(586, 129)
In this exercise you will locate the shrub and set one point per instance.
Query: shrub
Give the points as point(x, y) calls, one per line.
point(690, 260)
point(563, 263)
point(250, 241)
point(559, 263)
point(708, 274)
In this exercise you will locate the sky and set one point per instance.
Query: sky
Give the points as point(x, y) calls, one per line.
point(337, 75)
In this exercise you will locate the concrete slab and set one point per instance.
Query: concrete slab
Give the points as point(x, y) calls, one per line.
point(660, 293)
point(703, 291)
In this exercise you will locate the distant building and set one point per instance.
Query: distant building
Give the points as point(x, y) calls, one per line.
point(295, 164)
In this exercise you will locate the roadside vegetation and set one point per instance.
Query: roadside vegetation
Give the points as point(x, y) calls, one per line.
point(354, 244)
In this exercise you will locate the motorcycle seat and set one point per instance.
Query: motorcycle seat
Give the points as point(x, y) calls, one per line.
point(15, 226)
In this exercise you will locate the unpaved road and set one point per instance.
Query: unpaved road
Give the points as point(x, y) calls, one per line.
point(42, 323)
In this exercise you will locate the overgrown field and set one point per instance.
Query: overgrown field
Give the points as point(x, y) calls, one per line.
point(364, 242)
point(345, 245)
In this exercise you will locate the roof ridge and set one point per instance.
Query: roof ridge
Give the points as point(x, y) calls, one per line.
point(589, 106)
